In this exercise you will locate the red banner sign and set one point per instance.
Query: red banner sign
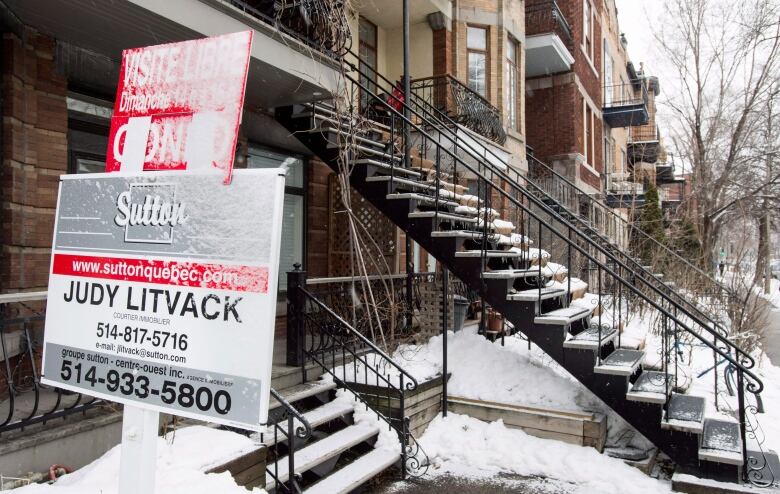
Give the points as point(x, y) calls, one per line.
point(178, 105)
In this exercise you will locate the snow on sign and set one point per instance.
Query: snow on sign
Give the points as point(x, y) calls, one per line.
point(162, 292)
point(178, 105)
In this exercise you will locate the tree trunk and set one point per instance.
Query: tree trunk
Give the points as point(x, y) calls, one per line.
point(761, 258)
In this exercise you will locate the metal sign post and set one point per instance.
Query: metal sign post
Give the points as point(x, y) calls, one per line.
point(138, 460)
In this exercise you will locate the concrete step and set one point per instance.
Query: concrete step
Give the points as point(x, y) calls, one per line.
point(355, 474)
point(685, 413)
point(651, 387)
point(721, 442)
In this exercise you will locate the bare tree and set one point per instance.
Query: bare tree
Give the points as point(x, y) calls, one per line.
point(725, 55)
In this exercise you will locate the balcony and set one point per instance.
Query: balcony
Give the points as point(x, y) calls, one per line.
point(548, 39)
point(623, 192)
point(625, 105)
point(462, 104)
point(644, 144)
point(293, 50)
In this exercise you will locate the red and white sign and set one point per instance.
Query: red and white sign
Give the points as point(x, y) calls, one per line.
point(178, 105)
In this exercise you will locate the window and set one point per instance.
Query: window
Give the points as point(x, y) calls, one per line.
point(477, 49)
point(608, 70)
point(589, 144)
point(368, 58)
point(512, 102)
point(291, 251)
point(587, 28)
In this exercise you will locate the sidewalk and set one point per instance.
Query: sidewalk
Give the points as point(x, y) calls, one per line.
point(501, 484)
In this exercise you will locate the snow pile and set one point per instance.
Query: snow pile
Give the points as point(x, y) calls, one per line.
point(466, 447)
point(181, 461)
point(773, 297)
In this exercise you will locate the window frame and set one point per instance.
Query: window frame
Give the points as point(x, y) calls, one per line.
point(512, 68)
point(292, 190)
point(371, 77)
point(485, 52)
point(588, 21)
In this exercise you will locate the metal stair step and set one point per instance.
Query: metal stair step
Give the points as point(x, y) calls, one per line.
point(323, 130)
point(400, 180)
point(685, 413)
point(590, 339)
point(721, 442)
point(651, 387)
point(621, 362)
point(535, 294)
point(428, 200)
point(488, 253)
point(442, 216)
point(397, 170)
point(325, 449)
point(513, 274)
point(563, 316)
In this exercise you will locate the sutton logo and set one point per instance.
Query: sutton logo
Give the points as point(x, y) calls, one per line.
point(148, 212)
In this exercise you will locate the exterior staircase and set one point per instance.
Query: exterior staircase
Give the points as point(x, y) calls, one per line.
point(334, 455)
point(464, 233)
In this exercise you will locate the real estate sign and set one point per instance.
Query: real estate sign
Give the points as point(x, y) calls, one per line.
point(162, 291)
point(178, 105)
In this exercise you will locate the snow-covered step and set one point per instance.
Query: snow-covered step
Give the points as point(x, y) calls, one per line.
point(401, 181)
point(512, 274)
point(488, 253)
point(320, 415)
point(651, 387)
point(325, 130)
point(324, 450)
point(591, 339)
point(356, 473)
point(397, 170)
point(685, 413)
point(621, 362)
point(467, 234)
point(563, 316)
point(535, 294)
point(721, 442)
point(429, 200)
point(374, 152)
point(303, 391)
point(442, 216)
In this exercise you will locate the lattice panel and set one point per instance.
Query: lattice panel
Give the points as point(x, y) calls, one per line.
point(381, 229)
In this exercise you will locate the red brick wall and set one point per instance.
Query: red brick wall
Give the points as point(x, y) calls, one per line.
point(34, 154)
point(553, 124)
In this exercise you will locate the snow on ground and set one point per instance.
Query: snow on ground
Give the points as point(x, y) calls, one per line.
point(181, 460)
point(773, 297)
point(466, 447)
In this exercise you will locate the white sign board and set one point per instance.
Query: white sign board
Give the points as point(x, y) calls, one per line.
point(162, 292)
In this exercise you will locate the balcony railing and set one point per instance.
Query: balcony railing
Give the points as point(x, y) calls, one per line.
point(319, 24)
point(462, 104)
point(24, 401)
point(544, 16)
point(644, 134)
point(625, 105)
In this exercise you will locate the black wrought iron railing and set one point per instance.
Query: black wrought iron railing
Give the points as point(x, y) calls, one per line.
point(286, 429)
point(319, 24)
point(355, 363)
point(464, 105)
point(617, 285)
point(618, 95)
point(24, 401)
point(544, 16)
point(693, 287)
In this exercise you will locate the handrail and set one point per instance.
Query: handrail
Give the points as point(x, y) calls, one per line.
point(300, 432)
point(469, 107)
point(745, 364)
point(410, 386)
point(609, 212)
point(332, 344)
